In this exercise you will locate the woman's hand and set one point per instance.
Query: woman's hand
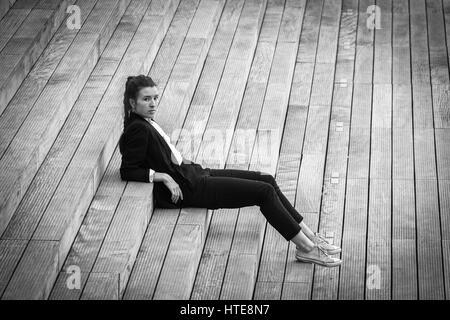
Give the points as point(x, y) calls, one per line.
point(174, 189)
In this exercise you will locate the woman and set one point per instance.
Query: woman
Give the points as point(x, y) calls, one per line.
point(149, 156)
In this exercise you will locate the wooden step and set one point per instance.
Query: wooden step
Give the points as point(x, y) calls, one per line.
point(70, 202)
point(33, 85)
point(30, 145)
point(103, 206)
point(41, 190)
point(30, 211)
point(105, 268)
point(23, 48)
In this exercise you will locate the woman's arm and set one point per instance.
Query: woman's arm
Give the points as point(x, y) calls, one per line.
point(133, 155)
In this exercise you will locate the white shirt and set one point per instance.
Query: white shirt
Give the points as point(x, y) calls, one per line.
point(175, 152)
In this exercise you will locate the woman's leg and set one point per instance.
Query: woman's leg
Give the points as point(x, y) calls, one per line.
point(268, 178)
point(260, 176)
point(230, 192)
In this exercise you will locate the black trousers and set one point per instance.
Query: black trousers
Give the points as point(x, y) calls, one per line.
point(230, 188)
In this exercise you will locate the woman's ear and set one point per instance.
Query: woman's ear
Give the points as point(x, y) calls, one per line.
point(132, 103)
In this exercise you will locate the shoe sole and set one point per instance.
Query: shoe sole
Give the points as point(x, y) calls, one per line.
point(333, 264)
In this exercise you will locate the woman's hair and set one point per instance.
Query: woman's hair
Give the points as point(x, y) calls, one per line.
point(132, 87)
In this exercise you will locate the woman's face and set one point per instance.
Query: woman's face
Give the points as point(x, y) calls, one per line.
point(145, 104)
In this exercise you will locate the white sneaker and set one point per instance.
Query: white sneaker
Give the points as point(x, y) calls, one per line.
point(317, 255)
point(329, 248)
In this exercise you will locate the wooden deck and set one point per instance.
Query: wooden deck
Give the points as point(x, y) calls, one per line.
point(345, 102)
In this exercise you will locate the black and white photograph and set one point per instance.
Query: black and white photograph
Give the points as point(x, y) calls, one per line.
point(225, 155)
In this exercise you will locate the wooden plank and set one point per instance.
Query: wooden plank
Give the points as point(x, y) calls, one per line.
point(362, 106)
point(402, 154)
point(25, 4)
point(437, 43)
point(402, 108)
point(291, 23)
point(102, 286)
point(422, 106)
point(192, 54)
point(43, 122)
point(343, 86)
point(34, 83)
point(209, 279)
point(149, 262)
point(442, 153)
point(212, 267)
point(185, 247)
point(10, 23)
point(39, 194)
point(404, 269)
point(352, 276)
point(269, 283)
point(301, 85)
point(4, 7)
point(383, 45)
point(444, 202)
point(400, 23)
point(90, 237)
point(28, 42)
point(310, 32)
point(322, 86)
point(424, 153)
point(378, 266)
point(364, 64)
point(25, 284)
point(365, 34)
point(10, 253)
point(122, 241)
point(380, 154)
point(326, 280)
point(441, 101)
point(226, 108)
point(382, 106)
point(347, 32)
point(429, 246)
point(329, 30)
point(309, 187)
point(316, 130)
point(298, 278)
point(404, 259)
point(76, 199)
point(358, 161)
point(401, 65)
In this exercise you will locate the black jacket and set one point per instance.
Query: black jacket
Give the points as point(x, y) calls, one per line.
point(143, 148)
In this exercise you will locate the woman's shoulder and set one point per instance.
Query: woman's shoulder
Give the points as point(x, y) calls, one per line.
point(137, 126)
